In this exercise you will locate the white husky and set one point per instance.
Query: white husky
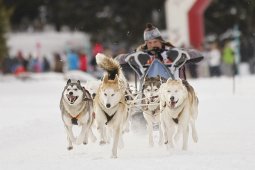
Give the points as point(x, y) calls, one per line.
point(109, 104)
point(179, 108)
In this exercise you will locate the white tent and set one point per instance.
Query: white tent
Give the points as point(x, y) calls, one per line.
point(46, 43)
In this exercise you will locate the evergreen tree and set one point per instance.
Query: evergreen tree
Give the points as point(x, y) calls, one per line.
point(4, 25)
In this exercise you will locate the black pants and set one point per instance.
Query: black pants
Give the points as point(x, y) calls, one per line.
point(215, 71)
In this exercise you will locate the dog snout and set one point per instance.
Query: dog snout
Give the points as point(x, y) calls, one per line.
point(70, 93)
point(172, 98)
point(93, 95)
point(108, 105)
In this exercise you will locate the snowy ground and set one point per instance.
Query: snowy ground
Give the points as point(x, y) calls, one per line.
point(32, 135)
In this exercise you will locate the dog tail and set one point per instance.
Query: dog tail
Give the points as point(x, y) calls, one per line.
point(195, 108)
point(192, 98)
point(194, 105)
point(111, 66)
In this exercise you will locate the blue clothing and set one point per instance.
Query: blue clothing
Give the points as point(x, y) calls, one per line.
point(72, 61)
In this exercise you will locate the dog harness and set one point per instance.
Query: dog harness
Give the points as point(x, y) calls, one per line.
point(153, 112)
point(74, 120)
point(109, 118)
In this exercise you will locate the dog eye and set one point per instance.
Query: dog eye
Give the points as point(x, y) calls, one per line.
point(176, 91)
point(67, 89)
point(105, 94)
point(112, 95)
point(168, 91)
point(75, 89)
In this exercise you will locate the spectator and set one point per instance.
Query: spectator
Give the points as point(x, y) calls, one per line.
point(97, 48)
point(228, 60)
point(58, 63)
point(22, 61)
point(72, 60)
point(214, 60)
point(83, 61)
point(45, 64)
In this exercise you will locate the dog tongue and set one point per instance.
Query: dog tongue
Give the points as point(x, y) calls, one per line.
point(173, 104)
point(71, 98)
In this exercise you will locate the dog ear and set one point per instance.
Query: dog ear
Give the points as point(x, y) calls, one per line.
point(116, 78)
point(179, 81)
point(78, 81)
point(169, 80)
point(105, 79)
point(68, 81)
point(159, 77)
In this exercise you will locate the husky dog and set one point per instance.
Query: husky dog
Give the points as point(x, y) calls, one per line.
point(77, 108)
point(109, 104)
point(151, 109)
point(179, 108)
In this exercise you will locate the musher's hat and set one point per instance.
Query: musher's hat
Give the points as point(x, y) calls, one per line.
point(151, 32)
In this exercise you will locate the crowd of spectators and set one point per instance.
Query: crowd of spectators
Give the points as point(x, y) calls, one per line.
point(57, 62)
point(219, 60)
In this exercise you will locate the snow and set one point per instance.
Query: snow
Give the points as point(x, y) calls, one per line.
point(32, 135)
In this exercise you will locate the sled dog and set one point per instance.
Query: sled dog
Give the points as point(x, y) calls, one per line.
point(109, 103)
point(179, 108)
point(151, 108)
point(76, 107)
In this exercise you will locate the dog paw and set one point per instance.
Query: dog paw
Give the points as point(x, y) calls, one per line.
point(102, 142)
point(69, 148)
point(195, 138)
point(114, 156)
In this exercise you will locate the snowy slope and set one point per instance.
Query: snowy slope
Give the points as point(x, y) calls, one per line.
point(32, 135)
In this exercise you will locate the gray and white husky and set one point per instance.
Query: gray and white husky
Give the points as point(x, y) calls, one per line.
point(77, 109)
point(151, 108)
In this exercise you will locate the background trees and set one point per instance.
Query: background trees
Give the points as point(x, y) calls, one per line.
point(123, 21)
point(224, 14)
point(4, 25)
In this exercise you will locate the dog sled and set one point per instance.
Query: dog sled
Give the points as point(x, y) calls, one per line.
point(137, 61)
point(155, 71)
